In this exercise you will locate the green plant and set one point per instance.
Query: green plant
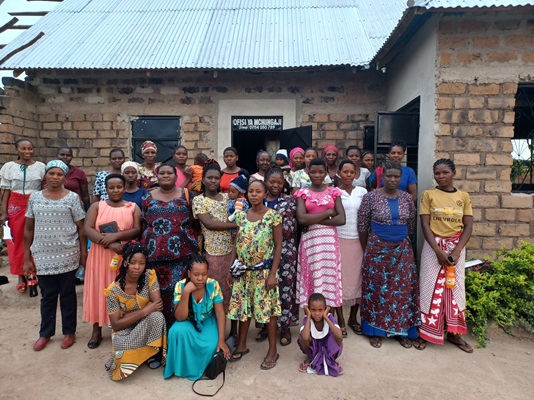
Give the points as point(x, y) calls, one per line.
point(503, 294)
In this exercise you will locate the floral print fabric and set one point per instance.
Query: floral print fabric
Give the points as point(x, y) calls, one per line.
point(216, 243)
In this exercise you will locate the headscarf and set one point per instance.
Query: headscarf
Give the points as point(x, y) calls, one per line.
point(211, 161)
point(127, 164)
point(329, 147)
point(57, 164)
point(148, 145)
point(292, 153)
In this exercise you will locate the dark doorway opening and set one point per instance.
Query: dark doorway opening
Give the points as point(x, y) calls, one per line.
point(248, 143)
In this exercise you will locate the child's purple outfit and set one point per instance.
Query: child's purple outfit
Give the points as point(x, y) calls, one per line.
point(324, 349)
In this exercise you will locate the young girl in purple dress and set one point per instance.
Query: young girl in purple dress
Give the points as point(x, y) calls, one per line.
point(320, 339)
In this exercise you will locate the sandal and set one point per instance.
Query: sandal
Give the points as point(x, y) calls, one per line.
point(344, 332)
point(238, 355)
point(265, 365)
point(405, 342)
point(356, 328)
point(21, 287)
point(303, 366)
point(285, 338)
point(262, 335)
point(419, 343)
point(462, 344)
point(154, 362)
point(376, 342)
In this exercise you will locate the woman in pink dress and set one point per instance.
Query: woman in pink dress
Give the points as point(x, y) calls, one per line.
point(104, 246)
point(319, 210)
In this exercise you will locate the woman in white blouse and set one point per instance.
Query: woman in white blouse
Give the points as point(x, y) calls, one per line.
point(350, 247)
point(19, 179)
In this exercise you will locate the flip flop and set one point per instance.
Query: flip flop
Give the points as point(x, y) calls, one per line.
point(376, 342)
point(356, 328)
point(405, 342)
point(303, 366)
point(240, 355)
point(21, 287)
point(261, 336)
point(154, 362)
point(419, 344)
point(265, 365)
point(463, 345)
point(344, 332)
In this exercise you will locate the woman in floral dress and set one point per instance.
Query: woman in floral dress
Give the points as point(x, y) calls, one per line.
point(286, 206)
point(168, 234)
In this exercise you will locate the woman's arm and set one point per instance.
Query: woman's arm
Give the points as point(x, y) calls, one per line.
point(84, 189)
point(132, 318)
point(464, 237)
point(306, 219)
point(214, 225)
point(181, 310)
point(339, 219)
point(83, 242)
point(123, 236)
point(5, 193)
point(188, 173)
point(272, 280)
point(221, 327)
point(29, 229)
point(412, 190)
point(89, 224)
point(429, 237)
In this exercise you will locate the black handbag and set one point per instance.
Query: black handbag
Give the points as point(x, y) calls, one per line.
point(212, 371)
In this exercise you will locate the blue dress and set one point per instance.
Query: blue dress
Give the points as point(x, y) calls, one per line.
point(190, 350)
point(408, 178)
point(135, 197)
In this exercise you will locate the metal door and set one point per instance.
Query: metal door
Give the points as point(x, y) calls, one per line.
point(296, 137)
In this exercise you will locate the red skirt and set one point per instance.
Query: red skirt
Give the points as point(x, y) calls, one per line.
point(16, 212)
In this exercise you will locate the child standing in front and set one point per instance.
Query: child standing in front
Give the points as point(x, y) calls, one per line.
point(320, 339)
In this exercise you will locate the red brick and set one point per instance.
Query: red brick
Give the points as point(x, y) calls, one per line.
point(502, 57)
point(485, 42)
point(472, 25)
point(451, 88)
point(528, 56)
point(466, 58)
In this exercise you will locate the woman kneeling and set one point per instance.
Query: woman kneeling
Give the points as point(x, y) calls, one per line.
point(198, 332)
point(134, 307)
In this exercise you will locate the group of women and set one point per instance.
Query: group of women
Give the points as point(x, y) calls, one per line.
point(172, 268)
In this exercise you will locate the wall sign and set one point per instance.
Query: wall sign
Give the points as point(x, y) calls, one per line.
point(259, 123)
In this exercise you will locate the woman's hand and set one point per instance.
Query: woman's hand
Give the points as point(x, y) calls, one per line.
point(188, 172)
point(326, 311)
point(189, 287)
point(116, 247)
point(455, 254)
point(154, 306)
point(29, 266)
point(230, 280)
point(224, 347)
point(107, 239)
point(272, 281)
point(443, 257)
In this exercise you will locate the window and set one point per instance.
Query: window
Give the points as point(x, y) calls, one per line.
point(522, 153)
point(163, 131)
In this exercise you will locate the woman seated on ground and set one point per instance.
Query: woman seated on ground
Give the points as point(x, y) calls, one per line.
point(198, 332)
point(134, 306)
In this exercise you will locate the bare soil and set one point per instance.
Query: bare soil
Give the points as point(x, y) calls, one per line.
point(502, 370)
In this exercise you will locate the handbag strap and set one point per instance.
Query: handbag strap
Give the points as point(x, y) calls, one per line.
point(209, 395)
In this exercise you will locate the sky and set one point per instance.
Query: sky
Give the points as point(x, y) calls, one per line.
point(19, 5)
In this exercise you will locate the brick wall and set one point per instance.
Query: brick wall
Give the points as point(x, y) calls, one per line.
point(92, 112)
point(481, 59)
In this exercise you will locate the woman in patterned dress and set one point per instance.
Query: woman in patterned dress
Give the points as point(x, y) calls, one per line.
point(54, 247)
point(320, 210)
point(116, 159)
point(286, 206)
point(134, 306)
point(390, 291)
point(255, 293)
point(210, 208)
point(19, 179)
point(168, 233)
point(148, 169)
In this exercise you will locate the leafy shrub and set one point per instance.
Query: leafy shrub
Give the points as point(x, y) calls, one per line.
point(503, 294)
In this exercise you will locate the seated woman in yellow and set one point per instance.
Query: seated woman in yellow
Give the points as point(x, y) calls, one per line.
point(134, 308)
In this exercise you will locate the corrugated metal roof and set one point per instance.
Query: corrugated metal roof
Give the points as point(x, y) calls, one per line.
point(429, 4)
point(222, 34)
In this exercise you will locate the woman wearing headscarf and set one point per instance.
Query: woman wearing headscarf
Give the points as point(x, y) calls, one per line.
point(330, 155)
point(54, 247)
point(132, 192)
point(147, 170)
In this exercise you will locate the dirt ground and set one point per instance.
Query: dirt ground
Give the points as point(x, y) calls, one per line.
point(502, 370)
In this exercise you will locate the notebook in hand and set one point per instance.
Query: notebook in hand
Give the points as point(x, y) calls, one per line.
point(109, 227)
